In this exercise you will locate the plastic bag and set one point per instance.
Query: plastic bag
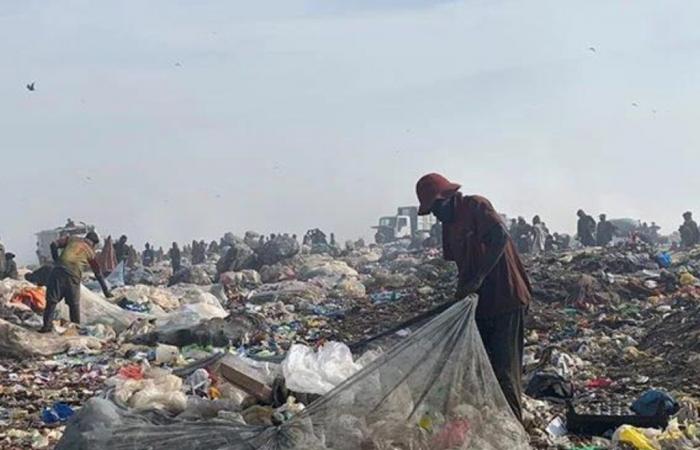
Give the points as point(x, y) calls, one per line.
point(687, 279)
point(188, 316)
point(153, 295)
point(161, 393)
point(166, 354)
point(116, 278)
point(96, 309)
point(635, 437)
point(332, 269)
point(18, 342)
point(288, 292)
point(652, 400)
point(308, 372)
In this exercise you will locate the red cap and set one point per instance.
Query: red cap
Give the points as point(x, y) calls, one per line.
point(433, 187)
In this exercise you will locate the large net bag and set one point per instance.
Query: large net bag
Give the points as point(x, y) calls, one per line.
point(434, 390)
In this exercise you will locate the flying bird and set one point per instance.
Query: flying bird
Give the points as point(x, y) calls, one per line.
point(635, 104)
point(177, 64)
point(30, 86)
point(592, 49)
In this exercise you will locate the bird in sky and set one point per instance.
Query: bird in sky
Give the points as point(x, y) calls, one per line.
point(30, 86)
point(592, 49)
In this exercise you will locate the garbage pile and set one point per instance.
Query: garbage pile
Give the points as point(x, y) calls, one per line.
point(609, 327)
point(257, 344)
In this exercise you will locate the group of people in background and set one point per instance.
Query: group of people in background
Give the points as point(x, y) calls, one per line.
point(535, 238)
point(530, 238)
point(197, 252)
point(591, 234)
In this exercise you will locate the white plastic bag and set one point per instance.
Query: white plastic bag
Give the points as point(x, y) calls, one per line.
point(306, 371)
point(189, 315)
point(96, 309)
point(167, 354)
point(163, 392)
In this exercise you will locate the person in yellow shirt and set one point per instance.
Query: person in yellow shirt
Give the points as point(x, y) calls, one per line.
point(64, 281)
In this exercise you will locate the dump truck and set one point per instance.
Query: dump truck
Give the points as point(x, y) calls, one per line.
point(406, 224)
point(46, 237)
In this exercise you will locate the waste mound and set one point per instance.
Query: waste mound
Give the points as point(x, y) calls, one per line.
point(434, 390)
point(278, 249)
point(18, 342)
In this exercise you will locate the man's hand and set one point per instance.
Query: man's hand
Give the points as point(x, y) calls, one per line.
point(470, 287)
point(108, 294)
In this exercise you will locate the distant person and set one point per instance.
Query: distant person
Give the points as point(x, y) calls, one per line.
point(605, 231)
point(203, 251)
point(213, 248)
point(121, 249)
point(512, 228)
point(690, 235)
point(65, 278)
point(586, 229)
point(198, 253)
point(538, 234)
point(175, 257)
point(106, 258)
point(512, 224)
point(488, 264)
point(195, 251)
point(560, 241)
point(132, 257)
point(225, 263)
point(549, 243)
point(149, 256)
point(315, 237)
point(522, 236)
point(10, 270)
point(333, 243)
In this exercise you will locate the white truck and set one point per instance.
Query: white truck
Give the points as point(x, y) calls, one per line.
point(46, 237)
point(406, 224)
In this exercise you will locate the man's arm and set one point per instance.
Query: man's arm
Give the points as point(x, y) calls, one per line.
point(54, 252)
point(495, 240)
point(55, 245)
point(100, 279)
point(490, 232)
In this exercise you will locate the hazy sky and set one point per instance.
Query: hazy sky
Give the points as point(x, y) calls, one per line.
point(180, 119)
